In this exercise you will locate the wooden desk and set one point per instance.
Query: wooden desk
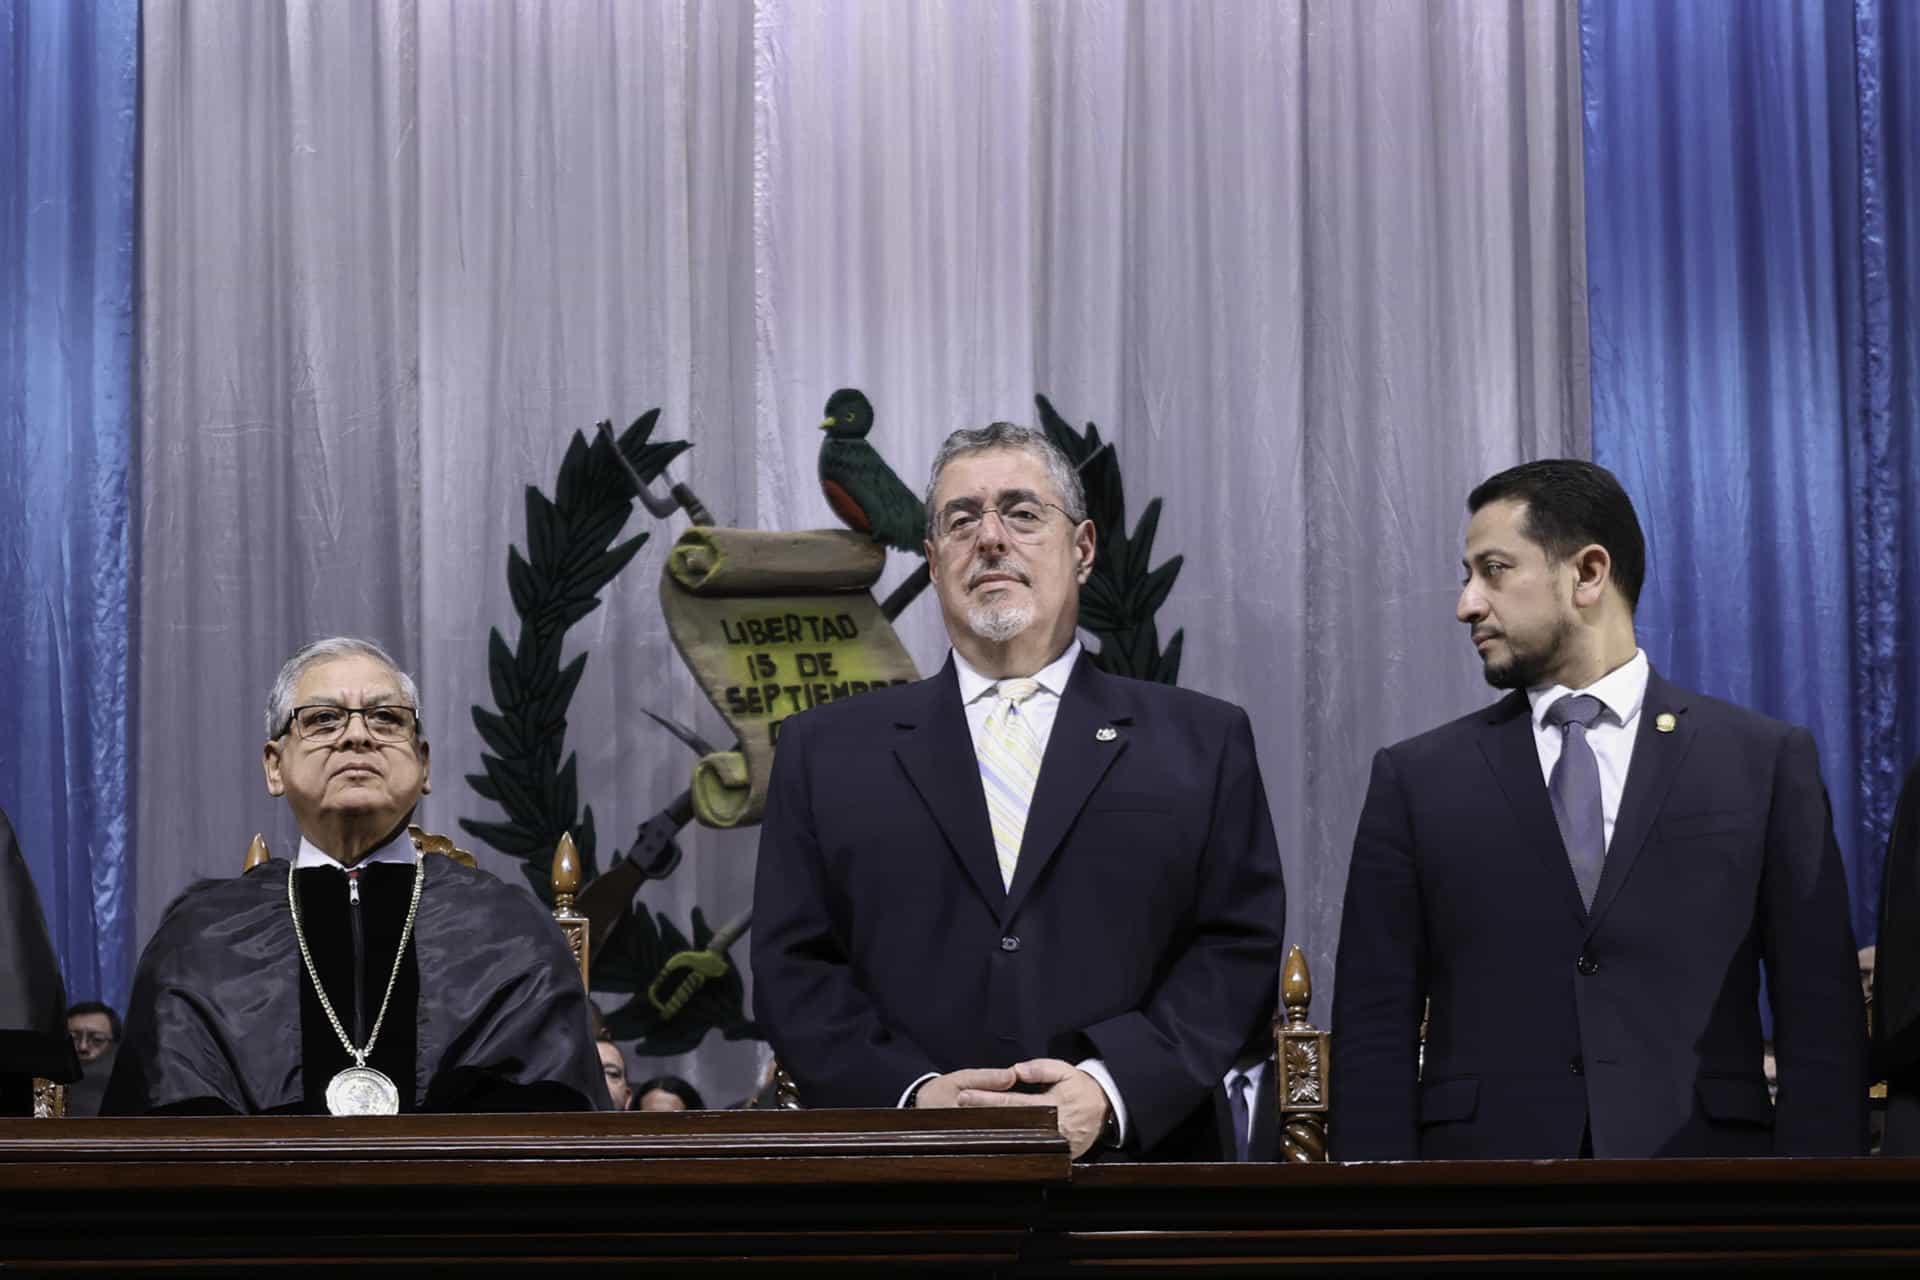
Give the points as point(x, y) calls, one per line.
point(885, 1192)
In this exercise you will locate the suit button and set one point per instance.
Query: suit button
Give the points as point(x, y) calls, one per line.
point(1587, 966)
point(1576, 1066)
point(1009, 943)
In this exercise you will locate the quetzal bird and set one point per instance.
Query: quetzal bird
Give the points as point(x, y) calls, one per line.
point(860, 486)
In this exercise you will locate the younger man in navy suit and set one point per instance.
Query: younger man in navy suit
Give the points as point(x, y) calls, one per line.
point(1581, 883)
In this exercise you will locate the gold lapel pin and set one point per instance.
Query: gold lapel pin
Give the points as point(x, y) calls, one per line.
point(1106, 734)
point(1665, 722)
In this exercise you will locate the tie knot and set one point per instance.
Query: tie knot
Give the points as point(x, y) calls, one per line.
point(1017, 691)
point(1576, 708)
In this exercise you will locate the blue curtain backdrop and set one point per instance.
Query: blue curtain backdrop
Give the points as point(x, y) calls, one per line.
point(67, 118)
point(1751, 235)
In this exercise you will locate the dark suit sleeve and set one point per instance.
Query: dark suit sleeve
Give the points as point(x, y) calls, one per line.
point(1379, 984)
point(1813, 976)
point(1166, 1055)
point(822, 1025)
point(1896, 970)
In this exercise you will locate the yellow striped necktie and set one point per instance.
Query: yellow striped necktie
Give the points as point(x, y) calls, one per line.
point(1009, 768)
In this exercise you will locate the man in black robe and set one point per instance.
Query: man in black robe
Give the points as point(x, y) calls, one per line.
point(1896, 976)
point(382, 978)
point(33, 1002)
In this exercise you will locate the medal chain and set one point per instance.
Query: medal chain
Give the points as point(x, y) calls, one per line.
point(393, 979)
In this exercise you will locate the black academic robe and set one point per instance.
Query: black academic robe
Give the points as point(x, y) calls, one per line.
point(1896, 976)
point(33, 1002)
point(488, 1011)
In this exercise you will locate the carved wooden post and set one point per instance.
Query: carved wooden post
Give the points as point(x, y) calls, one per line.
point(786, 1094)
point(256, 853)
point(1300, 1057)
point(49, 1100)
point(566, 883)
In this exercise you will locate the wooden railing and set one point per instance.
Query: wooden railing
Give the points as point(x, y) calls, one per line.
point(884, 1192)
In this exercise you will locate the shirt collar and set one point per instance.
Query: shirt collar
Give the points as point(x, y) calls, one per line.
point(1621, 691)
point(398, 849)
point(1052, 677)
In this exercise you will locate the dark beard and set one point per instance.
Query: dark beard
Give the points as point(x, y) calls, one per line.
point(1525, 670)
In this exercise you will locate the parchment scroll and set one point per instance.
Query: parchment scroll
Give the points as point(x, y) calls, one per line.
point(772, 624)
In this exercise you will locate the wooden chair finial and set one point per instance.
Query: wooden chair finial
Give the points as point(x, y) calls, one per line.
point(1296, 987)
point(1300, 1057)
point(256, 853)
point(566, 872)
point(566, 884)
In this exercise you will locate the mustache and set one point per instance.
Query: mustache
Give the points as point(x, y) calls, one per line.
point(1004, 567)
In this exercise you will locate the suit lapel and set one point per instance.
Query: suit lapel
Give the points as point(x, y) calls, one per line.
point(936, 749)
point(1506, 739)
point(1075, 761)
point(1656, 762)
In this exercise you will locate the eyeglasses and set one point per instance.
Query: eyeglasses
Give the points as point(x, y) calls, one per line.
point(323, 722)
point(89, 1039)
point(1024, 521)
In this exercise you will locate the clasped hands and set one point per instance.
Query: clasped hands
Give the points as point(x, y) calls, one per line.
point(1080, 1104)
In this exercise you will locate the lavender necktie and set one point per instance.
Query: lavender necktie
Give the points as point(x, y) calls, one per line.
point(1575, 790)
point(1242, 1114)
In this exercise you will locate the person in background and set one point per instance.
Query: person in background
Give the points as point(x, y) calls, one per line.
point(1243, 1125)
point(94, 1029)
point(613, 1064)
point(667, 1093)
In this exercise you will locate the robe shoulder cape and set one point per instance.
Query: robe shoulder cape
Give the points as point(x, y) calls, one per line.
point(215, 1009)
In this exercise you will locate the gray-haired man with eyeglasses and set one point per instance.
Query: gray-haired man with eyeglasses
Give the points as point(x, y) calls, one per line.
point(1022, 881)
point(414, 983)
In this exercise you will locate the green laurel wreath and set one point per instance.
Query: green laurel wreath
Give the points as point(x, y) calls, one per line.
point(1123, 593)
point(571, 557)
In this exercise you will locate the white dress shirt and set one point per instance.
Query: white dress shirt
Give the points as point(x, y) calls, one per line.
point(399, 849)
point(1039, 712)
point(1621, 691)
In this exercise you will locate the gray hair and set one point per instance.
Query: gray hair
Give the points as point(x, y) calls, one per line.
point(1009, 435)
point(280, 697)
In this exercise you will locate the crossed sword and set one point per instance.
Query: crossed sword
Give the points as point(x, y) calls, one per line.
point(607, 902)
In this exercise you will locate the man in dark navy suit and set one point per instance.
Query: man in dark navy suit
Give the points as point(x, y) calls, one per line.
point(1581, 883)
point(1022, 881)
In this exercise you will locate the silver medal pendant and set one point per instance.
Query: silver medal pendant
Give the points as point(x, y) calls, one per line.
point(362, 1091)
